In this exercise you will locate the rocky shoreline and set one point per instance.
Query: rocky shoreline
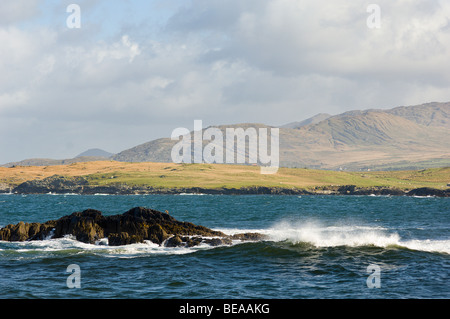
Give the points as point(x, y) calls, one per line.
point(78, 185)
point(137, 225)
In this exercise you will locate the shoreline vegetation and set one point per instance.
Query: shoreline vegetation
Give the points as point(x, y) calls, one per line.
point(123, 178)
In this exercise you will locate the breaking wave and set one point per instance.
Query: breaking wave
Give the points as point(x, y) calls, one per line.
point(311, 233)
point(320, 236)
point(351, 236)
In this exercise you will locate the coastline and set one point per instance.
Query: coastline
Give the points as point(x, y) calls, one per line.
point(80, 186)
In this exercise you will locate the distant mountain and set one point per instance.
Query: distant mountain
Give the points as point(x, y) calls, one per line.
point(51, 162)
point(91, 155)
point(95, 152)
point(430, 114)
point(160, 150)
point(312, 120)
point(404, 137)
point(154, 151)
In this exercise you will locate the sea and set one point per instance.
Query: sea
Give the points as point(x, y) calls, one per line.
point(317, 247)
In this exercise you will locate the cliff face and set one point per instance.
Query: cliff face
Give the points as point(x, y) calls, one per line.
point(134, 226)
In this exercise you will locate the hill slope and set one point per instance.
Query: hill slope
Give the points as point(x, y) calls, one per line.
point(52, 162)
point(400, 138)
point(95, 152)
point(91, 155)
point(312, 120)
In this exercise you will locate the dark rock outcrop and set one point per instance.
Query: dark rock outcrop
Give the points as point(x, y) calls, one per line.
point(123, 238)
point(134, 226)
point(26, 231)
point(428, 191)
point(52, 184)
point(247, 236)
point(353, 190)
point(377, 190)
point(190, 241)
point(174, 241)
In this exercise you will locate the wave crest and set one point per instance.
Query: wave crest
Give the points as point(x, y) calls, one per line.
point(332, 236)
point(349, 235)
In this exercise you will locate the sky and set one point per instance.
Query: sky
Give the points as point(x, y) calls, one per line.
point(134, 71)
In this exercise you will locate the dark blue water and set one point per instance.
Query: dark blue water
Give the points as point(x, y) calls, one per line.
point(317, 247)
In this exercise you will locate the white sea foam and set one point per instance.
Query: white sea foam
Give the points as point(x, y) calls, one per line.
point(332, 236)
point(350, 235)
point(70, 245)
point(428, 245)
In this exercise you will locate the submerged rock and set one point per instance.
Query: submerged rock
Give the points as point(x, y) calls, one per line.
point(189, 241)
point(134, 226)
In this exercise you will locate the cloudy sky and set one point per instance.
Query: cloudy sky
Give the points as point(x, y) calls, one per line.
point(136, 70)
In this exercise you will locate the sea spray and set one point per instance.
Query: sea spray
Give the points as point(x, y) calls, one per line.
point(319, 235)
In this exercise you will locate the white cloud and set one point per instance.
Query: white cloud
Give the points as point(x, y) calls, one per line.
point(220, 61)
point(119, 50)
point(14, 11)
point(331, 37)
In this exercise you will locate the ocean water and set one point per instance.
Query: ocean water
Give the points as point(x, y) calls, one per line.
point(317, 247)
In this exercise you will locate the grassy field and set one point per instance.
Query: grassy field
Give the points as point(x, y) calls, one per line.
point(167, 175)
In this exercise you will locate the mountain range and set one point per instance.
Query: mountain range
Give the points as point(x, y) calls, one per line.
point(405, 137)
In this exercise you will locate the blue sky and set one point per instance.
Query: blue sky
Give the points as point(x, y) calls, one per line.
point(108, 18)
point(136, 70)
